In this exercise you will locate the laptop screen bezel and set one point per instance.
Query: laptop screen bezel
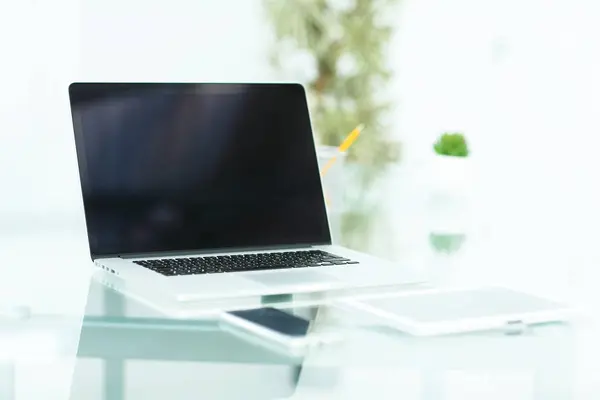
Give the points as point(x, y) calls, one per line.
point(80, 91)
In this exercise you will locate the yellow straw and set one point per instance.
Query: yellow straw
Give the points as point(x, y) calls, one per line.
point(350, 139)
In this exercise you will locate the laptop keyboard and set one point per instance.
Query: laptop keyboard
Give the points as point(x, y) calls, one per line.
point(243, 262)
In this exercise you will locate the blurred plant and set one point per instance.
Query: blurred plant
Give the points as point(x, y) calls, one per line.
point(356, 229)
point(452, 144)
point(346, 46)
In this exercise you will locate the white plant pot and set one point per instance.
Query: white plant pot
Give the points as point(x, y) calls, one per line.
point(452, 175)
point(450, 194)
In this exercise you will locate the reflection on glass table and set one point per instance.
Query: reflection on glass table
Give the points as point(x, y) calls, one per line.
point(129, 351)
point(393, 211)
point(31, 342)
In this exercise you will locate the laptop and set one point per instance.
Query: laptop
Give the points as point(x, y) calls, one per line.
point(210, 190)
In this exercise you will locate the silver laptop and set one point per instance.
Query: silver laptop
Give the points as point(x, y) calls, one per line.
point(210, 190)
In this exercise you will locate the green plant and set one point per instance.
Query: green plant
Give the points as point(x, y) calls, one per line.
point(344, 63)
point(452, 144)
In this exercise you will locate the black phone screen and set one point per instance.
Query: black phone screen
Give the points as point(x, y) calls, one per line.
point(276, 320)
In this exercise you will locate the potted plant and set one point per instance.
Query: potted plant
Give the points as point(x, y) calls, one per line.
point(451, 163)
point(451, 176)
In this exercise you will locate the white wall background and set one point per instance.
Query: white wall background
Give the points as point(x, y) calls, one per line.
point(65, 40)
point(38, 42)
point(518, 76)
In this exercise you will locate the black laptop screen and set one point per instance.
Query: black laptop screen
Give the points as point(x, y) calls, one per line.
point(184, 167)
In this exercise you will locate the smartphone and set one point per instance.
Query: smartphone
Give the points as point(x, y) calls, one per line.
point(277, 328)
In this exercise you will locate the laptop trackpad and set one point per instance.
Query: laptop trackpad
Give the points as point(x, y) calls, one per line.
point(293, 278)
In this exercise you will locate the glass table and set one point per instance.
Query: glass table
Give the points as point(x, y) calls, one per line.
point(129, 351)
point(78, 338)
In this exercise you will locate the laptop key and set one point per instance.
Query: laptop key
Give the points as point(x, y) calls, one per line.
point(268, 267)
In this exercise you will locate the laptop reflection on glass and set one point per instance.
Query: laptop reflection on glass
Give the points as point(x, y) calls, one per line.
point(209, 190)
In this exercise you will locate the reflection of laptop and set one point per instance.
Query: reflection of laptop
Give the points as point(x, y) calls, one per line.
point(209, 190)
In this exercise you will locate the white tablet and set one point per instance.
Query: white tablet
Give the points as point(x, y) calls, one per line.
point(448, 311)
